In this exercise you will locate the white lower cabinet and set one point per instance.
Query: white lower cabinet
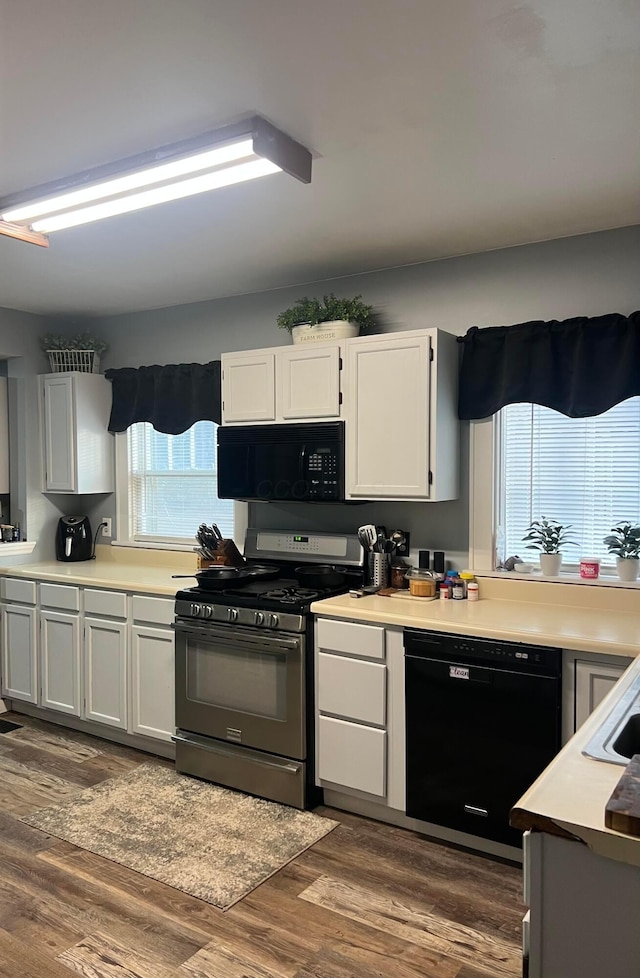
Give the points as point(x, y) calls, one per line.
point(105, 672)
point(152, 682)
point(593, 681)
point(60, 662)
point(352, 755)
point(357, 709)
point(19, 653)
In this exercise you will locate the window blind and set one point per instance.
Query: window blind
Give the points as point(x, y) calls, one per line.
point(173, 484)
point(583, 471)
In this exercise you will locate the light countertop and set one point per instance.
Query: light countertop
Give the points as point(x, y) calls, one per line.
point(612, 630)
point(571, 793)
point(141, 571)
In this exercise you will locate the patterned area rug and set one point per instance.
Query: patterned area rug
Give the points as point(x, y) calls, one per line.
point(213, 843)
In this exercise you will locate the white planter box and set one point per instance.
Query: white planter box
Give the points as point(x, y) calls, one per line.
point(325, 332)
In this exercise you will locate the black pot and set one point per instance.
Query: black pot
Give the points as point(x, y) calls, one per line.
point(319, 575)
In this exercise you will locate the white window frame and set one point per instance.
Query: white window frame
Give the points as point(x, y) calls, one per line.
point(123, 516)
point(484, 440)
point(482, 501)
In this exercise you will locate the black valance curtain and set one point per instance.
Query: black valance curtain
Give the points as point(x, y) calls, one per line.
point(579, 367)
point(172, 397)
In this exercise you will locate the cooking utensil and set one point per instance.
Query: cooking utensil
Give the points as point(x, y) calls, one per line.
point(319, 575)
point(368, 535)
point(360, 592)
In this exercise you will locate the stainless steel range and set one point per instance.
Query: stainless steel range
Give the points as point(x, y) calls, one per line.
point(244, 665)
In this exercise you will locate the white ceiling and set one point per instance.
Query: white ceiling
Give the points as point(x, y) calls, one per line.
point(438, 127)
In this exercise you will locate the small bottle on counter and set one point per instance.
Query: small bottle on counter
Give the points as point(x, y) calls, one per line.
point(443, 589)
point(467, 576)
point(473, 590)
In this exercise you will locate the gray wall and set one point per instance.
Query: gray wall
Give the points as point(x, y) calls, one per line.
point(36, 513)
point(587, 275)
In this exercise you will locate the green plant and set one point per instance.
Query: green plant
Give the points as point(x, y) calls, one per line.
point(81, 341)
point(327, 310)
point(624, 540)
point(547, 536)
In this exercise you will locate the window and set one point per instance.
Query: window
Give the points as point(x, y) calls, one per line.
point(583, 471)
point(171, 487)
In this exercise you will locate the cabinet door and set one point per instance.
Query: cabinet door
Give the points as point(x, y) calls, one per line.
point(105, 688)
point(19, 653)
point(352, 755)
point(388, 449)
point(60, 662)
point(59, 426)
point(248, 387)
point(152, 682)
point(593, 682)
point(309, 382)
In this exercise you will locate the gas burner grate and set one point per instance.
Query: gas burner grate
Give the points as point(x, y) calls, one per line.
point(290, 595)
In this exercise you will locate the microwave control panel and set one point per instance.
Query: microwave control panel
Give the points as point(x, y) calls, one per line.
point(322, 473)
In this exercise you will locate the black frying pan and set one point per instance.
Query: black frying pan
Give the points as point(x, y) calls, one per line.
point(221, 576)
point(319, 575)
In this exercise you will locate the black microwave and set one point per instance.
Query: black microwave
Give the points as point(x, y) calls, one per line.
point(285, 462)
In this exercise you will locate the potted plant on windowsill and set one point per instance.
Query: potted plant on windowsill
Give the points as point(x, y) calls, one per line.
point(624, 542)
point(548, 536)
point(329, 318)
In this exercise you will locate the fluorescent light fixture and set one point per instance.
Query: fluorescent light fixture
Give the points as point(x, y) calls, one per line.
point(216, 159)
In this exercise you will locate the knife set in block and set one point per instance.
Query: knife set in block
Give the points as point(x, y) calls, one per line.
point(226, 554)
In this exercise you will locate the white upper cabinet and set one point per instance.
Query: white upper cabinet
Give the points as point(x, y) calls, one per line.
point(78, 449)
point(308, 382)
point(293, 383)
point(248, 386)
point(397, 395)
point(405, 446)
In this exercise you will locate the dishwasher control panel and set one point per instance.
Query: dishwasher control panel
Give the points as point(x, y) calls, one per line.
point(472, 650)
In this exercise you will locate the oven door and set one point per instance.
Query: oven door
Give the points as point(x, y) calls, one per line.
point(242, 685)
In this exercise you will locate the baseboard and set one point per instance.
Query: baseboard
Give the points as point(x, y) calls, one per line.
point(149, 746)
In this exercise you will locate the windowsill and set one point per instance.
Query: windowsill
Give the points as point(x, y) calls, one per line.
point(14, 549)
point(172, 547)
point(565, 577)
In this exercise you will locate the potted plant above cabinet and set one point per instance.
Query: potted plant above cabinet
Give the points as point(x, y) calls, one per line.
point(326, 319)
point(624, 542)
point(548, 536)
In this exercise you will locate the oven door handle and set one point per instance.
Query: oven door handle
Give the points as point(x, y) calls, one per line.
point(232, 640)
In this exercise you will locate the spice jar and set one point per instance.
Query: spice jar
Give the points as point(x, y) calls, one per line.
point(467, 576)
point(422, 583)
point(398, 575)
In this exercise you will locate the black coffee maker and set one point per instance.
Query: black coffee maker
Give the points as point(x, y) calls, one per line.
point(73, 538)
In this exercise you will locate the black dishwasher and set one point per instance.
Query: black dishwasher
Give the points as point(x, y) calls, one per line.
point(483, 721)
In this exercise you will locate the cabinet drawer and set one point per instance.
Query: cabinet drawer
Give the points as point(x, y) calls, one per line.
point(350, 638)
point(62, 596)
point(14, 589)
point(352, 756)
point(158, 611)
point(113, 604)
point(352, 688)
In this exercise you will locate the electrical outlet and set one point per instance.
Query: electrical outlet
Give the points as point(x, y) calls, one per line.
point(106, 526)
point(403, 551)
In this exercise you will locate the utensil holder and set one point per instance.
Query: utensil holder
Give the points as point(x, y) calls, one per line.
point(378, 565)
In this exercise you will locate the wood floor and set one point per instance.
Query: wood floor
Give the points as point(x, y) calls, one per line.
point(367, 901)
